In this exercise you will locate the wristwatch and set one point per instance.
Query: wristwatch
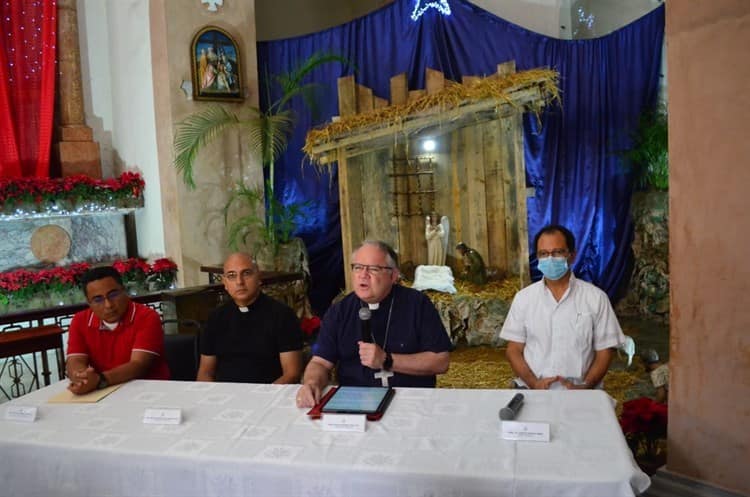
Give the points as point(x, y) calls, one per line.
point(103, 383)
point(388, 363)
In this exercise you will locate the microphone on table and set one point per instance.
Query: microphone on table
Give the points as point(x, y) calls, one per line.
point(509, 412)
point(364, 315)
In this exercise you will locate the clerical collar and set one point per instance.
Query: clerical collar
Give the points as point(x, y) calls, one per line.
point(246, 308)
point(376, 305)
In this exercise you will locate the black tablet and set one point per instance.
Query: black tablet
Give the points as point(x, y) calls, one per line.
point(359, 400)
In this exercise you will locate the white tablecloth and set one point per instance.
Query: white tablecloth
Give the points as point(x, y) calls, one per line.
point(240, 439)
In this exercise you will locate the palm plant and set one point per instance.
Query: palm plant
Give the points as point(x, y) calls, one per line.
point(267, 132)
point(649, 155)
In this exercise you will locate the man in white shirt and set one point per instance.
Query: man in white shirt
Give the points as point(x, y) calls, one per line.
point(561, 331)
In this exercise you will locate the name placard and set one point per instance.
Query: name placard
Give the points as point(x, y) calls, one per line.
point(162, 416)
point(518, 430)
point(344, 422)
point(21, 413)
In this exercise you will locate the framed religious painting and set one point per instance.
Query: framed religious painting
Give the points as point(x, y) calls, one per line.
point(215, 59)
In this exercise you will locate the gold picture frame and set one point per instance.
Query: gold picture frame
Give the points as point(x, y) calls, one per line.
point(216, 66)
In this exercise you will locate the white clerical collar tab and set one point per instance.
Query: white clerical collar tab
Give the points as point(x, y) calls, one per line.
point(243, 309)
point(374, 307)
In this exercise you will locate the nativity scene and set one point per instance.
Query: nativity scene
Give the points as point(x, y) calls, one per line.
point(228, 231)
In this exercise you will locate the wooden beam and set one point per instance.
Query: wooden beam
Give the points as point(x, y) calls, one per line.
point(379, 103)
point(399, 184)
point(364, 99)
point(519, 164)
point(506, 68)
point(469, 80)
point(350, 209)
point(434, 118)
point(495, 160)
point(416, 94)
point(434, 81)
point(475, 202)
point(399, 89)
point(347, 96)
point(458, 187)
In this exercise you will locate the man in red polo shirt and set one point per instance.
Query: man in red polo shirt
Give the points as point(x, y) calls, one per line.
point(115, 340)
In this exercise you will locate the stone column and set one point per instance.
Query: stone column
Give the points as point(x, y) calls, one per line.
point(76, 150)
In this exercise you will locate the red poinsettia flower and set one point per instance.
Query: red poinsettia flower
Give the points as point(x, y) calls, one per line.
point(32, 193)
point(310, 325)
point(644, 416)
point(163, 265)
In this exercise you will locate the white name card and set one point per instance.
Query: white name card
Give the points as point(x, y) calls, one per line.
point(162, 416)
point(518, 430)
point(21, 413)
point(344, 422)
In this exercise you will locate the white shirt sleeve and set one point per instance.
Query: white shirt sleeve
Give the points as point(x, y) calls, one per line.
point(514, 327)
point(607, 331)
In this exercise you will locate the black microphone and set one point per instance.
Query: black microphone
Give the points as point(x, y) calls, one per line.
point(364, 315)
point(509, 412)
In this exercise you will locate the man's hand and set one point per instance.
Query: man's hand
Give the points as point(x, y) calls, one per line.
point(544, 383)
point(371, 355)
point(308, 395)
point(84, 381)
point(574, 386)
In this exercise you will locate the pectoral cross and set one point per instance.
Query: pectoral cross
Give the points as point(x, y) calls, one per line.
point(384, 375)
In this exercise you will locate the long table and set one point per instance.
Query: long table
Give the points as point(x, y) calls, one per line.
point(248, 439)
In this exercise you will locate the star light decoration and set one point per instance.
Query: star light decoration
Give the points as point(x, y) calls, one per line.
point(422, 5)
point(213, 5)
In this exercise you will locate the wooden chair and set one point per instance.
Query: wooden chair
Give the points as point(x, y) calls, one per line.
point(33, 341)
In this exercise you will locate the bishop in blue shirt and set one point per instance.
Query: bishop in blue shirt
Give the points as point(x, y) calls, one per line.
point(403, 343)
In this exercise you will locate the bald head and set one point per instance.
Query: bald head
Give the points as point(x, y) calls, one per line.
point(241, 278)
point(240, 257)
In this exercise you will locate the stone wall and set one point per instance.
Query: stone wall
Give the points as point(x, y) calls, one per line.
point(648, 292)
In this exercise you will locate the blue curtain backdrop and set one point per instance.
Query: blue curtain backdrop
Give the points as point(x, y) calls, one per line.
point(571, 157)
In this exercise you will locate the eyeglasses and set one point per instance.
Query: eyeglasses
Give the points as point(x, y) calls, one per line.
point(543, 254)
point(244, 274)
point(371, 269)
point(111, 296)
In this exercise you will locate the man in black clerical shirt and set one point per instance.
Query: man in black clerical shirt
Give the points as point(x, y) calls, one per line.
point(408, 346)
point(254, 338)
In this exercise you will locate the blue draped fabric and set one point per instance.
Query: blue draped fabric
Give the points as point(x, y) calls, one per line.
point(571, 156)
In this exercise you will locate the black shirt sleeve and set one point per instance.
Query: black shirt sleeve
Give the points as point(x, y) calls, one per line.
point(208, 336)
point(288, 331)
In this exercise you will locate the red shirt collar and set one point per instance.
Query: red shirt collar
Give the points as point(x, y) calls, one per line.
point(96, 322)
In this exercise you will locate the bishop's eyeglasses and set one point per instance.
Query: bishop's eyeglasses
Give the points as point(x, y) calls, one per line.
point(370, 268)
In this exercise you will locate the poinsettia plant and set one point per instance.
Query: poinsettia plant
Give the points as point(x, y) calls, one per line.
point(162, 273)
point(310, 328)
point(18, 288)
point(133, 270)
point(21, 285)
point(21, 196)
point(644, 423)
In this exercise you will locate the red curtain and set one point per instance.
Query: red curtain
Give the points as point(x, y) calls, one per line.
point(27, 86)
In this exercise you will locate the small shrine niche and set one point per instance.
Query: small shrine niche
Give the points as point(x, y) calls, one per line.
point(473, 172)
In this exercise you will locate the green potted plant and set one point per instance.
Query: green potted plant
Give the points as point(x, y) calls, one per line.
point(272, 241)
point(648, 157)
point(267, 132)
